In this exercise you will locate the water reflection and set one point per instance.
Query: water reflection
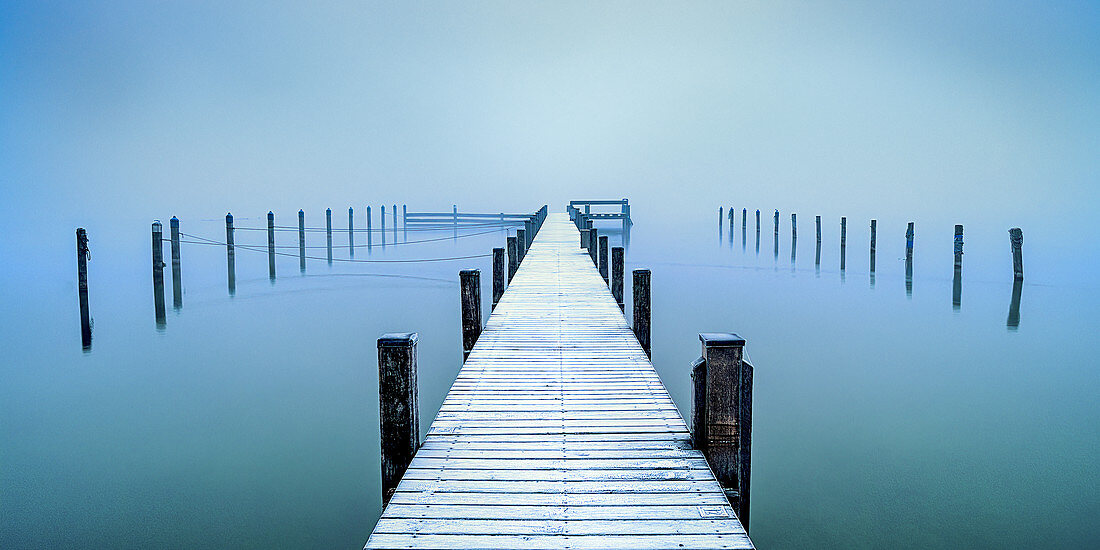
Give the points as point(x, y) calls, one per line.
point(1014, 305)
point(956, 289)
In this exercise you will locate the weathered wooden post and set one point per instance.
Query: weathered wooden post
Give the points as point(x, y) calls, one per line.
point(626, 216)
point(498, 275)
point(521, 244)
point(382, 224)
point(641, 299)
point(370, 234)
point(405, 222)
point(351, 232)
point(909, 260)
point(744, 227)
point(617, 273)
point(843, 240)
point(230, 254)
point(775, 236)
point(454, 212)
point(328, 232)
point(399, 407)
point(594, 246)
point(584, 237)
point(177, 276)
point(874, 237)
point(470, 289)
point(158, 273)
point(603, 260)
point(757, 230)
point(794, 237)
point(958, 246)
point(720, 222)
point(395, 223)
point(730, 214)
point(1016, 237)
point(271, 245)
point(721, 415)
point(82, 288)
point(301, 241)
point(513, 258)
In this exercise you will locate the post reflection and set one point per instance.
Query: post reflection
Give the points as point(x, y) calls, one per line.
point(1014, 305)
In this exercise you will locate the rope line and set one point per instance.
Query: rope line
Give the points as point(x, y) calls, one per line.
point(325, 246)
point(443, 226)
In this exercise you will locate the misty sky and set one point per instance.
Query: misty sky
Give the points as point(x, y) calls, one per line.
point(984, 109)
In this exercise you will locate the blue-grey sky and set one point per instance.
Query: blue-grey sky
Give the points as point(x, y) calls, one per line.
point(985, 110)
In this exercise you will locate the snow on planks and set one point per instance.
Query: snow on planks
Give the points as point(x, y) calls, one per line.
point(557, 432)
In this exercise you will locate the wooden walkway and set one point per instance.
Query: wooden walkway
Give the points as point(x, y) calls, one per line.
point(557, 432)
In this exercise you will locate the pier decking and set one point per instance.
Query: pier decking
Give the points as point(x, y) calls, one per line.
point(558, 433)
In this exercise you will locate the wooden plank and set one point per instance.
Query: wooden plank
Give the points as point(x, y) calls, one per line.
point(557, 432)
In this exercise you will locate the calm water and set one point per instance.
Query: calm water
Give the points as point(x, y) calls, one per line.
point(882, 418)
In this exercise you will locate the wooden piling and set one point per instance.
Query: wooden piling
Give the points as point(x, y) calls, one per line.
point(843, 240)
point(594, 246)
point(874, 237)
point(395, 223)
point(158, 273)
point(730, 215)
point(351, 232)
point(641, 299)
point(230, 255)
point(758, 231)
point(177, 276)
point(82, 288)
point(617, 272)
point(909, 260)
point(498, 275)
point(454, 212)
point(603, 260)
point(301, 241)
point(744, 226)
point(958, 246)
point(370, 234)
point(399, 407)
point(794, 237)
point(1016, 238)
point(405, 222)
point(470, 290)
point(328, 232)
point(521, 244)
point(382, 224)
point(722, 429)
point(817, 253)
point(775, 236)
point(721, 221)
point(584, 238)
point(271, 245)
point(513, 258)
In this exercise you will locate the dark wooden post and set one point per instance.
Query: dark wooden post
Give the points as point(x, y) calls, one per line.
point(641, 299)
point(529, 232)
point(399, 407)
point(594, 246)
point(382, 224)
point(909, 260)
point(958, 246)
point(721, 221)
point(874, 237)
point(301, 241)
point(82, 288)
point(498, 275)
point(351, 231)
point(627, 222)
point(370, 234)
point(730, 214)
point(513, 258)
point(603, 260)
point(584, 238)
point(230, 254)
point(405, 222)
point(177, 276)
point(454, 212)
point(158, 273)
point(775, 236)
point(470, 289)
point(521, 244)
point(1016, 237)
point(794, 237)
point(722, 415)
point(617, 273)
point(328, 232)
point(744, 225)
point(271, 245)
point(843, 240)
point(395, 223)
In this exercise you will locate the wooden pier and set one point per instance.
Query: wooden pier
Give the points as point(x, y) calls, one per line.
point(558, 433)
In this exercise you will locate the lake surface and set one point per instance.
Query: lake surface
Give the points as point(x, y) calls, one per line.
point(884, 416)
